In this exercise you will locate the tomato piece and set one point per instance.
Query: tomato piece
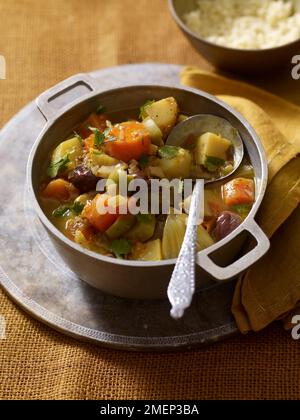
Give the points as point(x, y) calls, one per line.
point(132, 141)
point(239, 191)
point(61, 190)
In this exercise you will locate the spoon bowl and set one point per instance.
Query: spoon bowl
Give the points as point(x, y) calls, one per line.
point(206, 123)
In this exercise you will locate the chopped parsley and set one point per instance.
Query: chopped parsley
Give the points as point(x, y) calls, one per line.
point(56, 167)
point(212, 164)
point(143, 113)
point(77, 207)
point(99, 137)
point(144, 161)
point(64, 211)
point(107, 131)
point(168, 152)
point(107, 137)
point(120, 248)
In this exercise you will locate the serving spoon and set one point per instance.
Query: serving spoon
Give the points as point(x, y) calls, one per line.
point(182, 284)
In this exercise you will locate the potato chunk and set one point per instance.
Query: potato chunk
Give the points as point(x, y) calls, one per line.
point(211, 145)
point(150, 251)
point(164, 113)
point(177, 167)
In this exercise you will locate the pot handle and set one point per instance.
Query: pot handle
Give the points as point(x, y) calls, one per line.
point(243, 263)
point(45, 102)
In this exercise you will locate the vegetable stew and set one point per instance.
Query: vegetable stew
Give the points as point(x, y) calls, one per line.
point(99, 150)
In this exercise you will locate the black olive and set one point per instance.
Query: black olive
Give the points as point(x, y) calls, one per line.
point(227, 222)
point(83, 179)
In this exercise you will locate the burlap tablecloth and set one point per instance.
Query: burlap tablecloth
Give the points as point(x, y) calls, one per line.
point(43, 43)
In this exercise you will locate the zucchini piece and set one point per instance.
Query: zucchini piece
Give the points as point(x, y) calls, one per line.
point(211, 150)
point(98, 158)
point(103, 171)
point(177, 167)
point(118, 175)
point(150, 251)
point(143, 230)
point(71, 148)
point(155, 132)
point(121, 226)
point(164, 113)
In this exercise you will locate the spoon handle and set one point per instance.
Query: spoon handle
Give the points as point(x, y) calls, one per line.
point(182, 284)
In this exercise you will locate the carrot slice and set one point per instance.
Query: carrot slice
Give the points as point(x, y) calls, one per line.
point(102, 221)
point(89, 142)
point(132, 141)
point(239, 191)
point(60, 190)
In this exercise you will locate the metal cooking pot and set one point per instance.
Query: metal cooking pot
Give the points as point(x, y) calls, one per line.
point(134, 279)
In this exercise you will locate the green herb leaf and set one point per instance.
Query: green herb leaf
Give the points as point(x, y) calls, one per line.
point(212, 163)
point(144, 161)
point(243, 209)
point(99, 137)
point(61, 211)
point(56, 167)
point(144, 218)
point(168, 152)
point(107, 131)
point(143, 113)
point(78, 136)
point(77, 207)
point(120, 248)
point(100, 109)
point(64, 211)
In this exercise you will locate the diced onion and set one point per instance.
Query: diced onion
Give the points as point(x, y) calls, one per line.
point(155, 133)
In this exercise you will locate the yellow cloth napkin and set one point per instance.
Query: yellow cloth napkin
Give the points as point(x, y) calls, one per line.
point(270, 290)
